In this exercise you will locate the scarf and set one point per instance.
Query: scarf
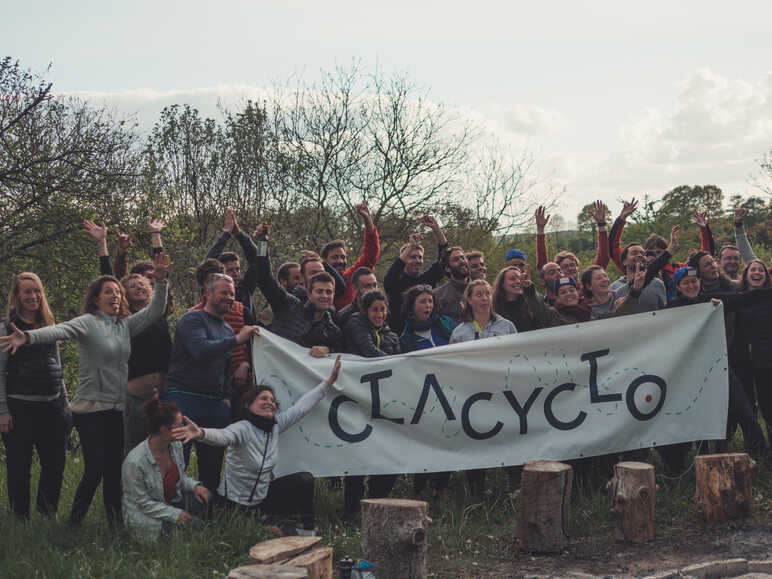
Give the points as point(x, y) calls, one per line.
point(261, 422)
point(435, 322)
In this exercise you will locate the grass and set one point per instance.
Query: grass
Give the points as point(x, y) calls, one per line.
point(469, 536)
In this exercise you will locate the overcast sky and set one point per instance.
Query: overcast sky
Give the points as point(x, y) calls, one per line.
point(614, 98)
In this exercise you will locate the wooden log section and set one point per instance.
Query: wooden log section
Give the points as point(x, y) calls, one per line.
point(394, 537)
point(724, 486)
point(545, 498)
point(633, 493)
point(268, 572)
point(282, 548)
point(318, 563)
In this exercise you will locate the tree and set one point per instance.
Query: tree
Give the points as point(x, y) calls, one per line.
point(678, 204)
point(60, 160)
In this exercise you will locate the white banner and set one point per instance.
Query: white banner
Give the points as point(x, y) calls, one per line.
point(574, 391)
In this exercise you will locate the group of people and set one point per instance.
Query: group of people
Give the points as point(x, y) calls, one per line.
point(144, 400)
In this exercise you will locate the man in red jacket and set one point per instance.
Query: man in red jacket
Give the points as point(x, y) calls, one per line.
point(334, 253)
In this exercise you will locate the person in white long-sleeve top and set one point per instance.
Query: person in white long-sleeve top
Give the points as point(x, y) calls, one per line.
point(253, 449)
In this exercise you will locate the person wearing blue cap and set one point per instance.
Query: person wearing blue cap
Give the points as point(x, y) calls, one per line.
point(516, 257)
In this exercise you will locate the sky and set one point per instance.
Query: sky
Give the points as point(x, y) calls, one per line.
point(614, 99)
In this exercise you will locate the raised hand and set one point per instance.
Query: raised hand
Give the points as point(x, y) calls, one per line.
point(739, 216)
point(161, 265)
point(98, 232)
point(673, 239)
point(124, 241)
point(639, 279)
point(155, 225)
point(701, 219)
point(335, 372)
point(14, 341)
point(628, 209)
point(542, 218)
point(189, 431)
point(364, 212)
point(231, 225)
point(599, 212)
point(430, 221)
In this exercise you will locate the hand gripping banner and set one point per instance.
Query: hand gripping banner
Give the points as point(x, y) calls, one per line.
point(561, 393)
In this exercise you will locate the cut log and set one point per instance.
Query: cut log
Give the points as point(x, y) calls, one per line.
point(318, 563)
point(633, 493)
point(268, 572)
point(394, 537)
point(545, 498)
point(281, 548)
point(724, 486)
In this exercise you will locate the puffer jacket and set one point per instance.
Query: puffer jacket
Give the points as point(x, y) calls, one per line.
point(363, 339)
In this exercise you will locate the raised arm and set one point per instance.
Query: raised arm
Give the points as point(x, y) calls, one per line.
point(602, 254)
point(542, 218)
point(615, 237)
point(155, 227)
point(99, 234)
point(371, 246)
point(740, 238)
point(306, 403)
point(707, 243)
point(121, 262)
point(231, 227)
point(145, 317)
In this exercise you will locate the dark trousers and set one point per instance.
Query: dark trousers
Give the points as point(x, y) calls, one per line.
point(741, 412)
point(207, 413)
point(378, 487)
point(762, 380)
point(43, 426)
point(288, 496)
point(133, 423)
point(440, 480)
point(101, 440)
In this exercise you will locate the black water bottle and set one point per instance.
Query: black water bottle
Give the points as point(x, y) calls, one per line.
point(345, 566)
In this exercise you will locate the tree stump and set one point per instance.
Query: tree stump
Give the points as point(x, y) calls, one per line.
point(545, 498)
point(724, 486)
point(282, 548)
point(633, 493)
point(394, 537)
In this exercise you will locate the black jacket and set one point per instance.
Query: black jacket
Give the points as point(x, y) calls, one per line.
point(35, 369)
point(363, 339)
point(293, 319)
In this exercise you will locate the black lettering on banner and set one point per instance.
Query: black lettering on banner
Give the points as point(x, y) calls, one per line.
point(335, 423)
point(376, 394)
point(471, 432)
point(630, 398)
point(431, 382)
point(595, 397)
point(522, 411)
point(551, 418)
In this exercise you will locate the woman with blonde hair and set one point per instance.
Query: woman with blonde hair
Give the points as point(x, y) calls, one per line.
point(103, 333)
point(33, 403)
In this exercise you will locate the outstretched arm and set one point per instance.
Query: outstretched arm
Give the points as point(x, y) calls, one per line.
point(615, 238)
point(99, 234)
point(740, 238)
point(602, 254)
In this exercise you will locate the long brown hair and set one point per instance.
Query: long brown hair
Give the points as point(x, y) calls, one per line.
point(89, 301)
point(44, 315)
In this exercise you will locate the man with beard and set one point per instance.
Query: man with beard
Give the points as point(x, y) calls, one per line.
point(451, 294)
point(196, 380)
point(405, 271)
point(654, 296)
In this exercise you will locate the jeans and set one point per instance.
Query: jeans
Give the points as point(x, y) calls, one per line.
point(207, 413)
point(42, 425)
point(133, 423)
point(101, 440)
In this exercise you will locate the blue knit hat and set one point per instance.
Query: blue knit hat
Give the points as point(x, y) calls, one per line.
point(561, 281)
point(685, 271)
point(515, 254)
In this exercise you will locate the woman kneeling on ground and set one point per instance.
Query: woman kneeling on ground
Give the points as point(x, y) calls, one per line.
point(156, 490)
point(253, 449)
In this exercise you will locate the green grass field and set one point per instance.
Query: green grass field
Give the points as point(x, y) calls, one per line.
point(469, 536)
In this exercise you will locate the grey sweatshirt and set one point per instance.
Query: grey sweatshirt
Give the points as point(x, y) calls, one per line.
point(104, 346)
point(249, 448)
point(468, 330)
point(653, 297)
